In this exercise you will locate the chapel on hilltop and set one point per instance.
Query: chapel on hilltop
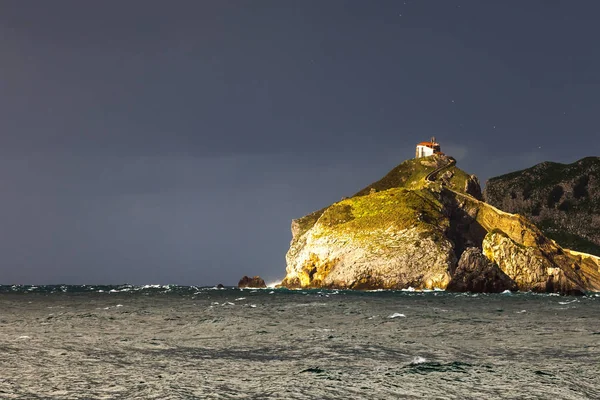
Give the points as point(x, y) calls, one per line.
point(426, 149)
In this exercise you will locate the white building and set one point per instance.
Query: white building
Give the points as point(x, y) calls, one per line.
point(426, 149)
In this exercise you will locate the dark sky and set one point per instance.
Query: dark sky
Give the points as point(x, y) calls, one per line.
point(173, 141)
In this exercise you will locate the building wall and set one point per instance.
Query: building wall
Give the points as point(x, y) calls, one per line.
point(423, 151)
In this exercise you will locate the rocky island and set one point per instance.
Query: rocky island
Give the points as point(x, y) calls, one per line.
point(425, 225)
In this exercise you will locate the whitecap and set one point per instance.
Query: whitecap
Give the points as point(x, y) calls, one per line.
point(240, 299)
point(271, 292)
point(418, 360)
point(253, 305)
point(506, 292)
point(521, 312)
point(396, 315)
point(564, 303)
point(24, 337)
point(119, 305)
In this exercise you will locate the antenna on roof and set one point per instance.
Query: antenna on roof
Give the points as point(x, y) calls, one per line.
point(432, 139)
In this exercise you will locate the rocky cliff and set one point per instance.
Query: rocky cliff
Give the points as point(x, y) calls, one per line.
point(410, 228)
point(562, 200)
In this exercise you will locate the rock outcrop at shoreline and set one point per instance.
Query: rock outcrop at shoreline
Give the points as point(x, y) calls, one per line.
point(254, 282)
point(563, 200)
point(410, 228)
point(476, 273)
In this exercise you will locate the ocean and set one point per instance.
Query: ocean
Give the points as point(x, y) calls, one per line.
point(173, 342)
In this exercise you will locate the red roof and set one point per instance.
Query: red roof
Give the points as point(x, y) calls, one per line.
point(428, 144)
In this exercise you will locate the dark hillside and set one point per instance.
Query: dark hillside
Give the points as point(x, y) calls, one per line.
point(563, 200)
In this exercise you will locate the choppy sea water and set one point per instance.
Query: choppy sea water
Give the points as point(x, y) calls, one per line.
point(171, 342)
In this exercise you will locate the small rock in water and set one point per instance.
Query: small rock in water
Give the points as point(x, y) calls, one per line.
point(254, 282)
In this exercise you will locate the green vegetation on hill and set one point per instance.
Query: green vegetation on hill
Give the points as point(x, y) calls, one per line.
point(566, 239)
point(409, 175)
point(398, 208)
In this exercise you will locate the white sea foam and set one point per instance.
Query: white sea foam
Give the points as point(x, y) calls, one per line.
point(119, 305)
point(240, 299)
point(396, 315)
point(151, 287)
point(507, 292)
point(564, 303)
point(418, 360)
point(253, 305)
point(521, 312)
point(271, 285)
point(24, 337)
